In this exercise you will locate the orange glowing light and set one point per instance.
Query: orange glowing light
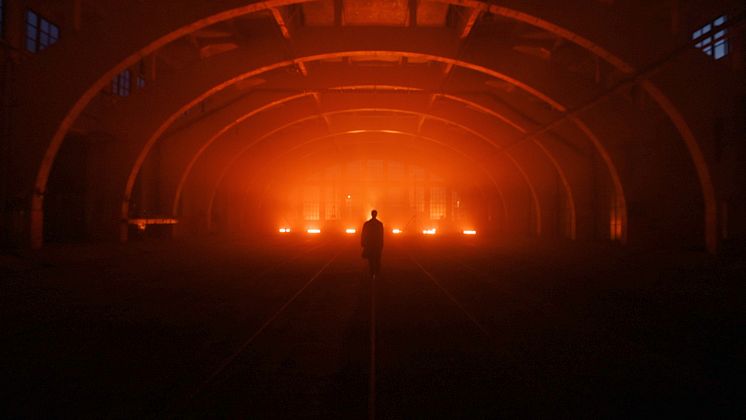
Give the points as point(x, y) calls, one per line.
point(429, 231)
point(396, 231)
point(284, 230)
point(470, 232)
point(350, 231)
point(313, 231)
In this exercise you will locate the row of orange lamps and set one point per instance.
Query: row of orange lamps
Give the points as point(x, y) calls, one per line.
point(395, 231)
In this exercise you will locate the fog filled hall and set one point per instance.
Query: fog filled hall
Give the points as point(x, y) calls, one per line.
point(372, 208)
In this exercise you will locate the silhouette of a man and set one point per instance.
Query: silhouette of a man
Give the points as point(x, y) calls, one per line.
point(371, 240)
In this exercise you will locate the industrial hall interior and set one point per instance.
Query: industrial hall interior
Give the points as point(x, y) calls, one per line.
point(372, 208)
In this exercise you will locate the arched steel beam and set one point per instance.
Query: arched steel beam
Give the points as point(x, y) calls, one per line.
point(673, 113)
point(276, 65)
point(283, 100)
point(558, 168)
point(179, 24)
point(535, 200)
point(411, 136)
point(247, 147)
point(163, 127)
point(366, 53)
point(102, 65)
point(420, 56)
point(219, 133)
point(537, 21)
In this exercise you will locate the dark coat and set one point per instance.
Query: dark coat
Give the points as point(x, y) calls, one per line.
point(371, 238)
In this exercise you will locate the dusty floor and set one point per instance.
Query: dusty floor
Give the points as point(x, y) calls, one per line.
point(281, 328)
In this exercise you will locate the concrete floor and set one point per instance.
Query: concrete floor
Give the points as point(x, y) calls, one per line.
point(281, 328)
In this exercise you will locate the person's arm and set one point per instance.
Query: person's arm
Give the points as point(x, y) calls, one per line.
point(364, 235)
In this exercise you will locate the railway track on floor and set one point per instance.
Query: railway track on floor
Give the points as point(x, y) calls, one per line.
point(218, 373)
point(452, 298)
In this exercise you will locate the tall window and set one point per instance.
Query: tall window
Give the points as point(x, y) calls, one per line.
point(437, 203)
point(40, 33)
point(140, 79)
point(121, 84)
point(330, 204)
point(311, 203)
point(417, 198)
point(2, 19)
point(455, 205)
point(715, 41)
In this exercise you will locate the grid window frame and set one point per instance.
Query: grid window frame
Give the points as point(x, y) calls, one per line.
point(715, 45)
point(311, 205)
point(437, 203)
point(40, 32)
point(121, 85)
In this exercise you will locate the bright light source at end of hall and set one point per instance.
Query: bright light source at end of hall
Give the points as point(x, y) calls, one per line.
point(470, 232)
point(429, 232)
point(313, 231)
point(350, 230)
point(396, 231)
point(284, 230)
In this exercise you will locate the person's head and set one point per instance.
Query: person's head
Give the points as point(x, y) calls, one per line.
point(374, 213)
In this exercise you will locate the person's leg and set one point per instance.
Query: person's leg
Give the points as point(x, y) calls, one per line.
point(375, 265)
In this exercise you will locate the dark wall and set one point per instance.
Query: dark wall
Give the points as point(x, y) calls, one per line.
point(65, 199)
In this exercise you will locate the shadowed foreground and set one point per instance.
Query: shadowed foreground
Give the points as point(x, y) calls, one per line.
point(284, 329)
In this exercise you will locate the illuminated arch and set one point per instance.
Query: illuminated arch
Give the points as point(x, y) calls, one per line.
point(535, 199)
point(413, 136)
point(471, 104)
point(680, 123)
point(430, 57)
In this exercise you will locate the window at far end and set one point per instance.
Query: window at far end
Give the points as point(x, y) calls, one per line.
point(713, 40)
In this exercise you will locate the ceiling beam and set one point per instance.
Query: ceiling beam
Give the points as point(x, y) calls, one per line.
point(281, 22)
point(282, 19)
point(413, 12)
point(467, 22)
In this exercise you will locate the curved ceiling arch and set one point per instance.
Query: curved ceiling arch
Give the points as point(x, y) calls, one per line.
point(294, 123)
point(558, 168)
point(175, 115)
point(499, 149)
point(57, 138)
point(169, 121)
point(227, 167)
point(220, 132)
point(410, 136)
point(234, 122)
